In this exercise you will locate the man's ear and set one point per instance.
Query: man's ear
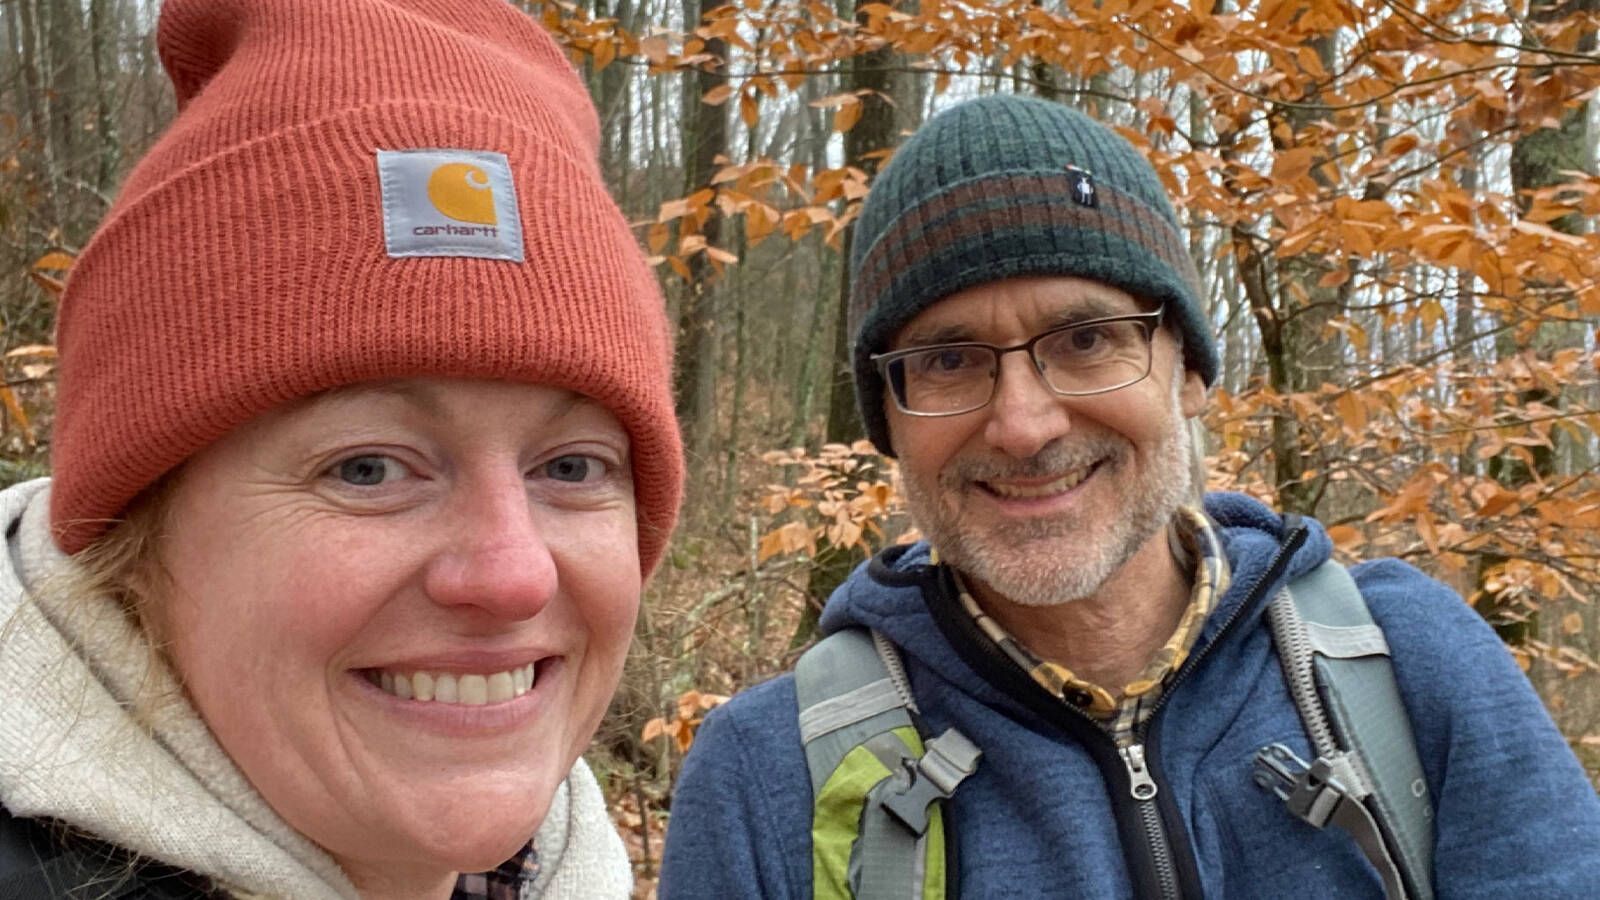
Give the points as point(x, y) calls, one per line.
point(1192, 396)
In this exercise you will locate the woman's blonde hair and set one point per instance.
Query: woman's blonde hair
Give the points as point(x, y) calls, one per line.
point(123, 566)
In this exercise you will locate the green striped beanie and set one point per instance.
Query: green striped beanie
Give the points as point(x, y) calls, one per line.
point(1006, 186)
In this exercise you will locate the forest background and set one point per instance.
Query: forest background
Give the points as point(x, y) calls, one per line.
point(1392, 206)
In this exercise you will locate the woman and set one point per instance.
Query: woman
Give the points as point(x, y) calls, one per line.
point(364, 448)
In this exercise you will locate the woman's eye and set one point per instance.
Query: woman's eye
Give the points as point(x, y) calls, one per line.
point(574, 468)
point(366, 471)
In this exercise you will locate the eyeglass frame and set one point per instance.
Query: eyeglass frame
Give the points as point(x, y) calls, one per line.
point(1150, 320)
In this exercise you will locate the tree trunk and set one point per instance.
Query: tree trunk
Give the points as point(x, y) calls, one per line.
point(741, 373)
point(844, 426)
point(805, 384)
point(1539, 159)
point(1046, 77)
point(705, 136)
point(869, 79)
point(1292, 315)
point(30, 37)
point(869, 76)
point(1465, 322)
point(103, 41)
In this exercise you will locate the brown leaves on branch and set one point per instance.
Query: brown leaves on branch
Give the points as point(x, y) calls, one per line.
point(1250, 70)
point(33, 362)
point(1382, 440)
point(769, 197)
point(55, 261)
point(680, 727)
point(1346, 151)
point(841, 497)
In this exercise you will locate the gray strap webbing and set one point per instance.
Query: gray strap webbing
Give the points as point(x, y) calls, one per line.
point(1362, 701)
point(1357, 821)
point(1347, 642)
point(842, 670)
point(835, 713)
point(886, 862)
point(838, 667)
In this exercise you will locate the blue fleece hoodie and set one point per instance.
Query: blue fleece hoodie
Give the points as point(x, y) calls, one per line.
point(1047, 813)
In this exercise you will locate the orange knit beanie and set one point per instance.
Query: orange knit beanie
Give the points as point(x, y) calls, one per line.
point(354, 189)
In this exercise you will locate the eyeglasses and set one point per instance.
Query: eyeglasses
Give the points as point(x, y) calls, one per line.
point(1090, 357)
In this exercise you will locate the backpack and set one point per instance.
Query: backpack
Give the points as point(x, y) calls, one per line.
point(879, 788)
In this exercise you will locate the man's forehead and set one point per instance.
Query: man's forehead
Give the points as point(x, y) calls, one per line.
point(1014, 309)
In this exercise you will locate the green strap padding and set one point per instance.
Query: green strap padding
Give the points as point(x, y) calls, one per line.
point(836, 822)
point(858, 736)
point(1363, 704)
point(934, 875)
point(857, 851)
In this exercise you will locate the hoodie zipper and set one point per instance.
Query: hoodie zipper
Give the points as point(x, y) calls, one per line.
point(1142, 787)
point(1140, 760)
point(1141, 780)
point(1142, 817)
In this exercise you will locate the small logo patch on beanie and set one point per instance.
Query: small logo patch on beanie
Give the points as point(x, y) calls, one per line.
point(449, 203)
point(1081, 183)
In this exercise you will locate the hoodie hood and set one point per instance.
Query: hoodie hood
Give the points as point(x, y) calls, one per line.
point(70, 750)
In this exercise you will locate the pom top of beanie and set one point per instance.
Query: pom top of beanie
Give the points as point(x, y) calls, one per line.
point(1002, 187)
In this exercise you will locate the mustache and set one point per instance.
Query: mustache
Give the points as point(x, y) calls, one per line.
point(1054, 458)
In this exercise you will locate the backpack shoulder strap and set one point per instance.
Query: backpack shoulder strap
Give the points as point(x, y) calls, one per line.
point(877, 825)
point(1366, 778)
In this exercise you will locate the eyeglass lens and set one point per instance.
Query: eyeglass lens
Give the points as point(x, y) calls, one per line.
point(1086, 359)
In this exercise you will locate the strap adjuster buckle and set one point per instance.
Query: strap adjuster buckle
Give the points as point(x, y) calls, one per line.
point(946, 761)
point(1312, 792)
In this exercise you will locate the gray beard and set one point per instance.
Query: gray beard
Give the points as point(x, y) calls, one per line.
point(1049, 561)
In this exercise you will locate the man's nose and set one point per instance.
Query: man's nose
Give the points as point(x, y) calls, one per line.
point(497, 562)
point(1024, 414)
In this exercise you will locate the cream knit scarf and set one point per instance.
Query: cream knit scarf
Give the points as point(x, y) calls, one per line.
point(70, 751)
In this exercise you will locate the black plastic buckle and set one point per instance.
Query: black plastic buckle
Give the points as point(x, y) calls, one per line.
point(946, 761)
point(910, 803)
point(1311, 792)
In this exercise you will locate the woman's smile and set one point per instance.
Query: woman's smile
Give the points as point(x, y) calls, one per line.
point(460, 706)
point(467, 688)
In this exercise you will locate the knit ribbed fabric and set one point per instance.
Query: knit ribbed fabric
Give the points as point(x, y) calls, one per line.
point(244, 264)
point(994, 188)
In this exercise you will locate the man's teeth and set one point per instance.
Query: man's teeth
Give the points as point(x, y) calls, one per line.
point(1020, 492)
point(447, 687)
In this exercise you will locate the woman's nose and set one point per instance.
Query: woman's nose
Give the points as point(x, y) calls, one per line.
point(497, 560)
point(1024, 415)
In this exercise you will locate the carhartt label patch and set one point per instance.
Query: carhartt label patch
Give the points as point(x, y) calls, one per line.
point(1081, 183)
point(449, 203)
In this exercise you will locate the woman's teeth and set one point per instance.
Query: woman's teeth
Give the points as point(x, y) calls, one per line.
point(1020, 492)
point(446, 687)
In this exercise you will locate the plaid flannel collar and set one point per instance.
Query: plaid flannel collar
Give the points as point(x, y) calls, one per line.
point(503, 882)
point(1196, 544)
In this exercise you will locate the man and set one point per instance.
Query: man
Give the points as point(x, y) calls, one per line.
point(1029, 343)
